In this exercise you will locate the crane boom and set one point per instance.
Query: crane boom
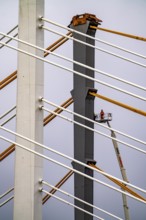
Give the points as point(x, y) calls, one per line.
point(123, 172)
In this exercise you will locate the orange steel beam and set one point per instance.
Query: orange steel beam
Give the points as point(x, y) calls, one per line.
point(58, 185)
point(51, 116)
point(119, 33)
point(138, 111)
point(123, 186)
point(52, 47)
point(8, 79)
point(47, 119)
point(7, 152)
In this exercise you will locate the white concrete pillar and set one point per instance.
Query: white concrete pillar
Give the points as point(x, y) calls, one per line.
point(30, 83)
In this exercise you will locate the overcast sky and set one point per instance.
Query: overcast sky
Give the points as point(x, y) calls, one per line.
point(121, 15)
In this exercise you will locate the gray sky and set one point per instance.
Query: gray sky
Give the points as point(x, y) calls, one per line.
point(121, 15)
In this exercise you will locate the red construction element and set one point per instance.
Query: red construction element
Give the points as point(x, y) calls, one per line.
point(103, 117)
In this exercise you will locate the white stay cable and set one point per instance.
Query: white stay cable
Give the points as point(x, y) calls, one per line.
point(93, 38)
point(78, 63)
point(74, 170)
point(72, 159)
point(75, 72)
point(93, 121)
point(81, 116)
point(7, 192)
point(9, 32)
point(94, 130)
point(7, 112)
point(71, 204)
point(15, 35)
point(6, 201)
point(97, 48)
point(80, 200)
point(9, 119)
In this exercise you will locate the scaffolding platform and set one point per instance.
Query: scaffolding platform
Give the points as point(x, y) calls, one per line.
point(103, 117)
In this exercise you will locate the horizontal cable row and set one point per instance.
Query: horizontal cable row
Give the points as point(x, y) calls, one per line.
point(7, 200)
point(70, 158)
point(73, 71)
point(51, 48)
point(14, 35)
point(93, 121)
point(94, 130)
point(71, 204)
point(90, 37)
point(80, 200)
point(7, 112)
point(74, 113)
point(97, 48)
point(74, 170)
point(6, 193)
point(80, 64)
